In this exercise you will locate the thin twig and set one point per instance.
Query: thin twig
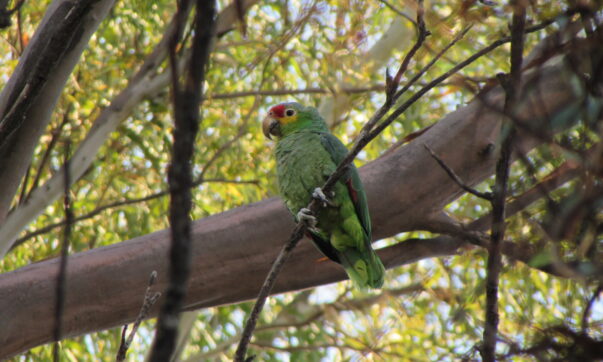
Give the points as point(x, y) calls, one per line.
point(121, 203)
point(589, 306)
point(56, 133)
point(62, 274)
point(398, 11)
point(429, 86)
point(561, 175)
point(456, 178)
point(392, 85)
point(418, 76)
point(281, 92)
point(278, 264)
point(186, 102)
point(508, 130)
point(148, 301)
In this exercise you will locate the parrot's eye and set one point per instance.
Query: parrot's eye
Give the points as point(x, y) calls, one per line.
point(290, 112)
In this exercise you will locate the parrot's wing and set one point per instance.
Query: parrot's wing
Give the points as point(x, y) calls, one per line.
point(324, 245)
point(350, 178)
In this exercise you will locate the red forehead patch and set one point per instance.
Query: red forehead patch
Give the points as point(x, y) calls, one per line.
point(278, 111)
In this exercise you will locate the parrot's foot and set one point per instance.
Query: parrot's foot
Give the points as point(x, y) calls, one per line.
point(320, 196)
point(305, 215)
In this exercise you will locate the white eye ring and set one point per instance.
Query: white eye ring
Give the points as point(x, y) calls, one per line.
point(290, 112)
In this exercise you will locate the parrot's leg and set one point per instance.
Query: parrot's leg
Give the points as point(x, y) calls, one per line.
point(305, 216)
point(319, 195)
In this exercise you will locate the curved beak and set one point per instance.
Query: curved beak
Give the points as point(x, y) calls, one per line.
point(270, 126)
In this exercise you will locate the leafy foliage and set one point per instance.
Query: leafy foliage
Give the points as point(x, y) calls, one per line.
point(430, 310)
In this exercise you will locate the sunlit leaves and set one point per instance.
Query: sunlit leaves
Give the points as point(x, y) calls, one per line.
point(300, 45)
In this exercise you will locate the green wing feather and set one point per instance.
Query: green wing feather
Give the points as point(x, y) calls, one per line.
point(351, 179)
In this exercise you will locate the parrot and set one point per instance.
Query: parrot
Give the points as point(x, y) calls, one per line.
point(307, 153)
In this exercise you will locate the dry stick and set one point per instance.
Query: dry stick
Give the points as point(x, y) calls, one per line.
point(564, 173)
point(281, 92)
point(512, 88)
point(300, 229)
point(398, 111)
point(148, 301)
point(398, 11)
point(117, 204)
point(456, 178)
point(589, 306)
point(62, 275)
point(278, 264)
point(186, 113)
point(56, 133)
point(392, 84)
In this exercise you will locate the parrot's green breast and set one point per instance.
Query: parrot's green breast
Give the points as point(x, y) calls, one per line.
point(302, 165)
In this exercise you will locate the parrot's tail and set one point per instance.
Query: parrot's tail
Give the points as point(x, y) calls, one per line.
point(363, 267)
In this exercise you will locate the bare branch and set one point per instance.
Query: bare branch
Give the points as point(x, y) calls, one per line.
point(565, 172)
point(512, 89)
point(121, 203)
point(589, 306)
point(456, 178)
point(62, 274)
point(282, 92)
point(148, 301)
point(398, 11)
point(186, 113)
point(278, 264)
point(423, 34)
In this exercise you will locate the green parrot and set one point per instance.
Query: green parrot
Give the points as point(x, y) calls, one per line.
point(306, 155)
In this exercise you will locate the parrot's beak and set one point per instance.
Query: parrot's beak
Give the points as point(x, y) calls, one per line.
point(270, 126)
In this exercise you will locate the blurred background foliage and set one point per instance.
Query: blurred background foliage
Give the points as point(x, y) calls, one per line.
point(335, 53)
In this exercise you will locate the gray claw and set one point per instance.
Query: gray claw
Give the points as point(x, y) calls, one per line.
point(305, 216)
point(319, 195)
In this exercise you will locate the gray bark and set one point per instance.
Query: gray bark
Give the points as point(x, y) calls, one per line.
point(28, 99)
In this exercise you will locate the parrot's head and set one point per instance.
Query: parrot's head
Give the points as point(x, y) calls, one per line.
point(286, 118)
